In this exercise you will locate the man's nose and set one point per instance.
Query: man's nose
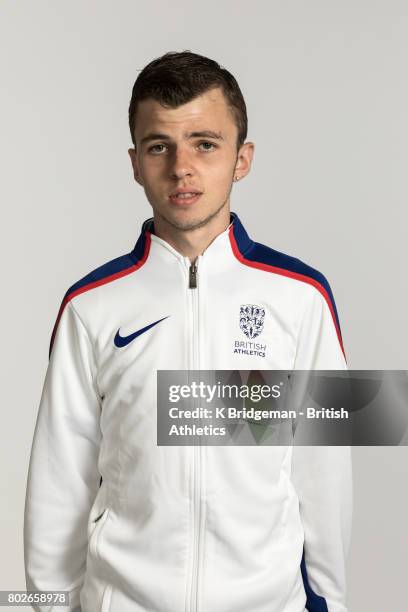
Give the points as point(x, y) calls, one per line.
point(181, 163)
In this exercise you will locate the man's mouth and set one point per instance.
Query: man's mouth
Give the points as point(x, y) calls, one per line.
point(184, 197)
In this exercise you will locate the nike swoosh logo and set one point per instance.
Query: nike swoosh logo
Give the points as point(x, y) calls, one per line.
point(121, 341)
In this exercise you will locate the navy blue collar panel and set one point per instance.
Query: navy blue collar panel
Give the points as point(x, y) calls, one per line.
point(242, 239)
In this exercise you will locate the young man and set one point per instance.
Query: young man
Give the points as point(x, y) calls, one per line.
point(126, 525)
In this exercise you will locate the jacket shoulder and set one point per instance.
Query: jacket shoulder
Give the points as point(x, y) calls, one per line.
point(286, 265)
point(266, 258)
point(105, 273)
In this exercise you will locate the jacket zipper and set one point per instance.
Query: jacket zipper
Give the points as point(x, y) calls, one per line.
point(193, 276)
point(99, 523)
point(197, 457)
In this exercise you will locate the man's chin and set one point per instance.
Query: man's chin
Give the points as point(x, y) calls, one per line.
point(187, 224)
point(185, 221)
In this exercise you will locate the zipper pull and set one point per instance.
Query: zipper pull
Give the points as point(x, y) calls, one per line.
point(193, 276)
point(100, 516)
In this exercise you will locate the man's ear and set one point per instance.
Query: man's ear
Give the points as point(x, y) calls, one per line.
point(135, 166)
point(244, 159)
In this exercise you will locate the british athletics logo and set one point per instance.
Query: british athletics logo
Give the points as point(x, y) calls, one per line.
point(251, 323)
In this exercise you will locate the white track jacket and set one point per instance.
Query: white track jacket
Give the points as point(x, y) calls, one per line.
point(126, 525)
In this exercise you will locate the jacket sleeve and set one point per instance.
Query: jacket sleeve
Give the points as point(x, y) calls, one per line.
point(63, 476)
point(322, 475)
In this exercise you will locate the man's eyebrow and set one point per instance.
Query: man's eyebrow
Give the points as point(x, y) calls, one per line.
point(200, 134)
point(206, 134)
point(154, 136)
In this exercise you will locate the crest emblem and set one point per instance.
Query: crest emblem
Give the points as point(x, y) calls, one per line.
point(251, 320)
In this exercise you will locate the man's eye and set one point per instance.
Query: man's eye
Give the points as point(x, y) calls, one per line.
point(156, 148)
point(207, 148)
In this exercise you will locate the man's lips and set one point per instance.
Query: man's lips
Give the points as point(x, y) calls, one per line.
point(184, 196)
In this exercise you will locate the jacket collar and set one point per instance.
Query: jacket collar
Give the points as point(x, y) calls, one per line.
point(234, 238)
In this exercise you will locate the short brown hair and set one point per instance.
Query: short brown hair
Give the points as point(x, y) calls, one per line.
point(176, 78)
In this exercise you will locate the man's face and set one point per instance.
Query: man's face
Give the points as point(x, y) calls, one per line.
point(191, 148)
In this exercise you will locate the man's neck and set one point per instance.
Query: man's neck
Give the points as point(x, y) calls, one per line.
point(192, 243)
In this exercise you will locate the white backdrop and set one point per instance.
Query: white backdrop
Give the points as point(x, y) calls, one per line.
point(326, 90)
